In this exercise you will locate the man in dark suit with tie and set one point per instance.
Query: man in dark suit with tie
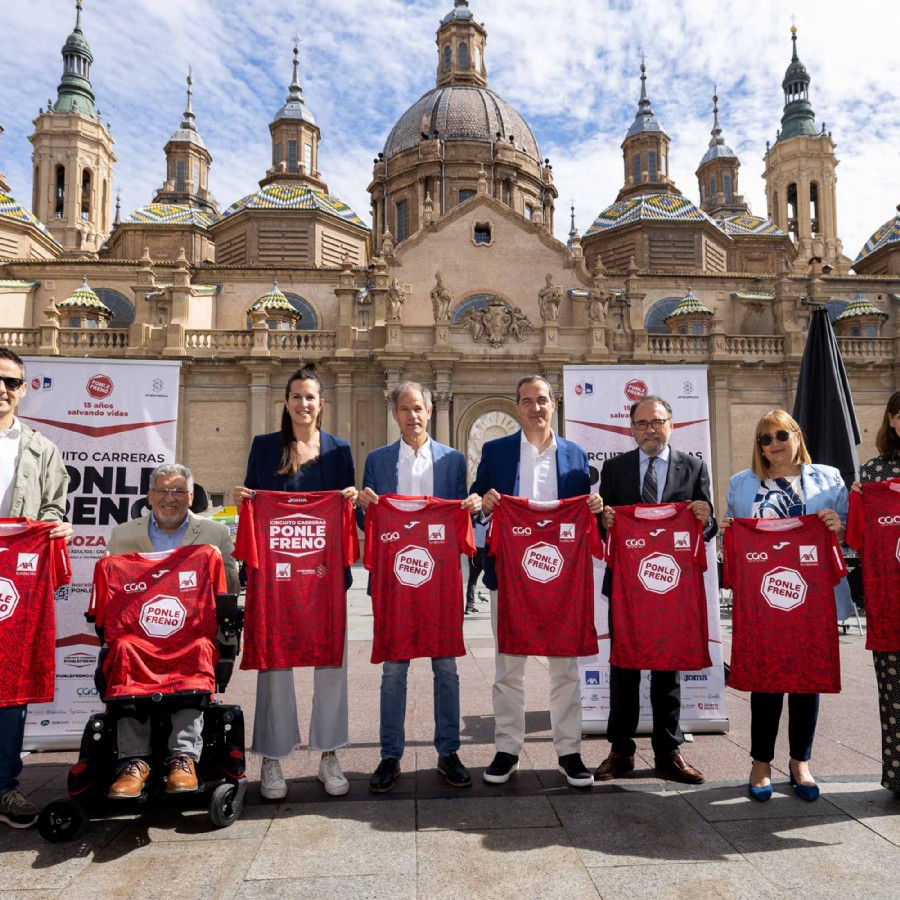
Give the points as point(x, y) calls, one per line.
point(652, 473)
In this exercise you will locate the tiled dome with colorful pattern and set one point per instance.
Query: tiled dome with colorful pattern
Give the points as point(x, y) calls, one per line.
point(746, 224)
point(274, 300)
point(689, 306)
point(10, 208)
point(889, 233)
point(85, 298)
point(170, 214)
point(291, 196)
point(860, 306)
point(648, 207)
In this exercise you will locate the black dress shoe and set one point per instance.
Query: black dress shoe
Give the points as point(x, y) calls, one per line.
point(454, 772)
point(676, 768)
point(503, 765)
point(575, 770)
point(385, 775)
point(471, 608)
point(615, 765)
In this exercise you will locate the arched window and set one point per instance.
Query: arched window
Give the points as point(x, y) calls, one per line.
point(310, 321)
point(814, 207)
point(122, 308)
point(60, 191)
point(463, 55)
point(636, 169)
point(792, 210)
point(447, 58)
point(655, 321)
point(86, 194)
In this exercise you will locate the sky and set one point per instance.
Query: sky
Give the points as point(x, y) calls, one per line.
point(571, 69)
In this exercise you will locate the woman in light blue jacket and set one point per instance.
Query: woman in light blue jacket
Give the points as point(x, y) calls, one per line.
point(783, 482)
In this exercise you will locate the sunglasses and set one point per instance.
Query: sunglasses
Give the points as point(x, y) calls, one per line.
point(765, 439)
point(12, 384)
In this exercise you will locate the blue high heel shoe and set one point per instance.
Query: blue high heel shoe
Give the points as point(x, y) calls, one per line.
point(803, 791)
point(762, 793)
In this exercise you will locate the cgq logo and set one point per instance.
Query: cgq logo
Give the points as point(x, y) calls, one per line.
point(134, 587)
point(389, 536)
point(757, 557)
point(521, 530)
point(889, 520)
point(100, 386)
point(635, 542)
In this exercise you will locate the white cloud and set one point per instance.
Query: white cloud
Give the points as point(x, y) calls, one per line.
point(571, 71)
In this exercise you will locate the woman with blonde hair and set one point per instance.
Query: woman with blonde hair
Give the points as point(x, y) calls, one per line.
point(781, 482)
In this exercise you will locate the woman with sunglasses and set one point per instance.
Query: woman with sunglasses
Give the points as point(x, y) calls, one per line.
point(882, 468)
point(300, 457)
point(782, 482)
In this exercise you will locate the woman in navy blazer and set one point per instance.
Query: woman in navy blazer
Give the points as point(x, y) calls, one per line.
point(302, 458)
point(784, 482)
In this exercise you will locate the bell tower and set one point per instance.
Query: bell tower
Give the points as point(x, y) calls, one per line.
point(460, 40)
point(73, 156)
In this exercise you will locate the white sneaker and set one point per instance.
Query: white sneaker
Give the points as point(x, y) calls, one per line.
point(331, 776)
point(272, 785)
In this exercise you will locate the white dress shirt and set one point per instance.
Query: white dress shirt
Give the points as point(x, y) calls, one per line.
point(415, 470)
point(537, 471)
point(10, 439)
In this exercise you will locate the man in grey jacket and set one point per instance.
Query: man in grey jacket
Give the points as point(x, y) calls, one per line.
point(33, 484)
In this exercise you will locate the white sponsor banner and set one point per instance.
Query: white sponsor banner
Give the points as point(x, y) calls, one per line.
point(597, 404)
point(114, 422)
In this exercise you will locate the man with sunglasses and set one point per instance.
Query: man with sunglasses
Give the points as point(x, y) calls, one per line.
point(652, 473)
point(170, 525)
point(33, 484)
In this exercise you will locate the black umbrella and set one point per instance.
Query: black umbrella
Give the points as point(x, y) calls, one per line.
point(823, 406)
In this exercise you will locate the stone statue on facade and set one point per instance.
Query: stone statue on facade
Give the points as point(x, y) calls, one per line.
point(441, 299)
point(494, 322)
point(549, 298)
point(597, 300)
point(519, 325)
point(396, 297)
point(387, 244)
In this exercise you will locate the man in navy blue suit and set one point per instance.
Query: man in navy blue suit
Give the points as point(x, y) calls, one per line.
point(537, 464)
point(417, 466)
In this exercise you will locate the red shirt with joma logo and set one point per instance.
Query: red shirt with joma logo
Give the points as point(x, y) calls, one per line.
point(545, 576)
point(413, 545)
point(158, 614)
point(783, 573)
point(658, 612)
point(32, 567)
point(295, 547)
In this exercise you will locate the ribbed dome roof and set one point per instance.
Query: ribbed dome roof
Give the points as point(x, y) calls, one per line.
point(170, 214)
point(10, 208)
point(297, 197)
point(461, 113)
point(889, 233)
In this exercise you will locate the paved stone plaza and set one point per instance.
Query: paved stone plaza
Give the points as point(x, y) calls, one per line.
point(534, 837)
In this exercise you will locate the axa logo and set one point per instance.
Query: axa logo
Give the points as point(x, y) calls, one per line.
point(187, 580)
point(682, 540)
point(889, 520)
point(27, 564)
point(757, 557)
point(809, 555)
point(436, 534)
point(521, 530)
point(389, 536)
point(633, 543)
point(134, 587)
point(567, 531)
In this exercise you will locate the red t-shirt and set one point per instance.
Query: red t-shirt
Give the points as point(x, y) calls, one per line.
point(295, 547)
point(545, 578)
point(658, 614)
point(413, 545)
point(158, 614)
point(783, 573)
point(32, 567)
point(873, 530)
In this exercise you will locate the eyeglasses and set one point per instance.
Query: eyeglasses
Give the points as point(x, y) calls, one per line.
point(12, 384)
point(765, 439)
point(643, 424)
point(175, 492)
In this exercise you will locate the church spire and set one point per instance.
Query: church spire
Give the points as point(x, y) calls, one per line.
point(460, 42)
point(294, 104)
point(644, 119)
point(798, 117)
point(75, 93)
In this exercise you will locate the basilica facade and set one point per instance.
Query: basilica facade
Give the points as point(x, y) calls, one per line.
point(459, 283)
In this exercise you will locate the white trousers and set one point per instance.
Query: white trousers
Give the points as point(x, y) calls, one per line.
point(276, 731)
point(509, 700)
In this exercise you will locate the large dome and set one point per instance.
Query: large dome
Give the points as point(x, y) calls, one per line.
point(461, 113)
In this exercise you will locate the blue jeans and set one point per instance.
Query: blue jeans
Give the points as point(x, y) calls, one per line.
point(446, 707)
point(12, 734)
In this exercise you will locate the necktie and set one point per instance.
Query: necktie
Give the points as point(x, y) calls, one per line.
point(649, 487)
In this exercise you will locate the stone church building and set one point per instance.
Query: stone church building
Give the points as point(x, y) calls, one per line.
point(459, 283)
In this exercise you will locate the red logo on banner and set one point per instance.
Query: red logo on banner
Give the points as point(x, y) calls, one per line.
point(579, 390)
point(100, 386)
point(635, 390)
point(35, 384)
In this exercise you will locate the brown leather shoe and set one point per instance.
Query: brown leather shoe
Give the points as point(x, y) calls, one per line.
point(615, 765)
point(182, 777)
point(130, 783)
point(675, 768)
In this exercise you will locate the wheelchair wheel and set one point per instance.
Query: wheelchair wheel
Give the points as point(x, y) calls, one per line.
point(225, 805)
point(60, 821)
